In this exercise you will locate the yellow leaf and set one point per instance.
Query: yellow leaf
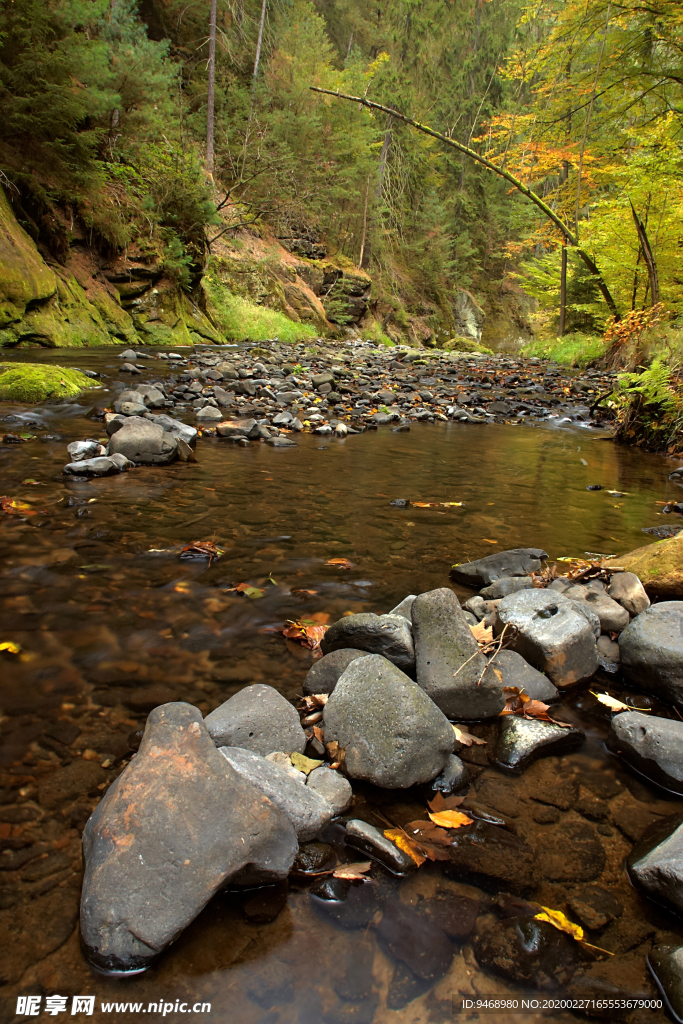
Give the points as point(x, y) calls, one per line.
point(449, 819)
point(353, 871)
point(558, 920)
point(304, 764)
point(613, 704)
point(10, 647)
point(488, 541)
point(405, 844)
point(482, 634)
point(465, 737)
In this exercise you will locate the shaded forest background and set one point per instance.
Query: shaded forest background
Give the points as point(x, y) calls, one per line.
point(103, 106)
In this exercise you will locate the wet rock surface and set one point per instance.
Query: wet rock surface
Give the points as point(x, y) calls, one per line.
point(653, 746)
point(138, 824)
point(652, 651)
point(522, 741)
point(529, 952)
point(388, 635)
point(655, 864)
point(666, 967)
point(391, 732)
point(258, 718)
point(503, 565)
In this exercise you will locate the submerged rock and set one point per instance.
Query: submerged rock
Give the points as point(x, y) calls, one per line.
point(307, 810)
point(528, 952)
point(485, 849)
point(449, 666)
point(484, 571)
point(653, 746)
point(655, 864)
point(553, 634)
point(362, 836)
point(454, 776)
point(180, 823)
point(455, 915)
point(393, 735)
point(257, 718)
point(522, 741)
point(666, 967)
point(388, 635)
point(323, 674)
point(414, 940)
point(351, 905)
point(652, 651)
point(570, 852)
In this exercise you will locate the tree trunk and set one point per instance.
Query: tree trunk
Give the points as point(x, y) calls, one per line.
point(648, 256)
point(501, 172)
point(365, 224)
point(210, 100)
point(258, 48)
point(563, 290)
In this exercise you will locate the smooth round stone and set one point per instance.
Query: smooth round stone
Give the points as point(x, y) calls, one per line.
point(455, 776)
point(652, 746)
point(314, 857)
point(323, 675)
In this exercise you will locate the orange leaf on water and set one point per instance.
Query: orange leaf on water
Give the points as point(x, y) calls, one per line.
point(450, 819)
point(341, 563)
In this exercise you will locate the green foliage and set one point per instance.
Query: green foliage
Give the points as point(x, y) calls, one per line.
point(242, 320)
point(649, 406)
point(571, 350)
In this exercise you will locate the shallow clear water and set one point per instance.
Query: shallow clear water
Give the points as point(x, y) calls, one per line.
point(110, 628)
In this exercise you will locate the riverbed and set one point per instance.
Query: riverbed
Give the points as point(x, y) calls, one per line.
point(109, 619)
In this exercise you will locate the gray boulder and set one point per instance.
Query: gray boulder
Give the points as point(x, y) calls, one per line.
point(257, 718)
point(127, 399)
point(626, 588)
point(653, 746)
point(101, 466)
point(652, 651)
point(505, 586)
point(307, 811)
point(393, 735)
point(655, 864)
point(483, 571)
point(280, 442)
point(81, 450)
point(323, 674)
point(388, 635)
point(171, 831)
point(113, 421)
point(450, 668)
point(666, 967)
point(209, 414)
point(404, 607)
point(143, 442)
point(521, 741)
point(176, 428)
point(151, 396)
point(331, 786)
point(611, 615)
point(518, 672)
point(552, 633)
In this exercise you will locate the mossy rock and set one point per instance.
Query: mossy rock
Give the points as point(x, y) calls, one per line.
point(35, 382)
point(460, 344)
point(658, 566)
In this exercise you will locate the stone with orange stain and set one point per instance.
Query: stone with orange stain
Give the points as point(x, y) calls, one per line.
point(172, 831)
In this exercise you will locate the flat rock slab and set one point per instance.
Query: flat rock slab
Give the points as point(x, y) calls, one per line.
point(306, 810)
point(521, 741)
point(449, 666)
point(570, 852)
point(483, 571)
point(652, 651)
point(174, 828)
point(655, 864)
point(553, 634)
point(388, 635)
point(666, 967)
point(392, 733)
point(323, 674)
point(257, 718)
point(653, 746)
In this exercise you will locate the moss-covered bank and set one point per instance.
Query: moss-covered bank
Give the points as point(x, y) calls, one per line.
point(659, 566)
point(34, 382)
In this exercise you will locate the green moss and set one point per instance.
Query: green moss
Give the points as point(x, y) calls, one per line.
point(242, 320)
point(460, 344)
point(35, 382)
point(373, 332)
point(571, 350)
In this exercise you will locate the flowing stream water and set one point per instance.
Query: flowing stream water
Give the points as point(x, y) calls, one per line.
point(111, 622)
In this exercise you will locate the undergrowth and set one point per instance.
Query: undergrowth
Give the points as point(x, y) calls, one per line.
point(572, 350)
point(242, 320)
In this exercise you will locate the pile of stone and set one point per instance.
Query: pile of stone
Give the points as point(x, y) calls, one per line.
point(225, 801)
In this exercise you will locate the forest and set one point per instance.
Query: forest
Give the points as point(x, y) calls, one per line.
point(549, 192)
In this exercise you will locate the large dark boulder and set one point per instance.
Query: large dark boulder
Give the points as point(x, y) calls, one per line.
point(174, 828)
point(655, 864)
point(483, 571)
point(652, 651)
point(393, 735)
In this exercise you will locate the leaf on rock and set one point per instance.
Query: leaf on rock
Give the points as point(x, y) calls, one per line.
point(465, 737)
point(399, 837)
point(613, 704)
point(519, 703)
point(304, 764)
point(482, 634)
point(340, 563)
point(10, 647)
point(246, 589)
point(450, 819)
point(335, 753)
point(307, 632)
point(353, 872)
point(558, 920)
point(201, 549)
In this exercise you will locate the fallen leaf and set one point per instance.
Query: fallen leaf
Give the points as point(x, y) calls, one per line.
point(31, 481)
point(398, 836)
point(519, 703)
point(558, 920)
point(437, 504)
point(335, 753)
point(10, 647)
point(247, 590)
point(16, 508)
point(304, 593)
point(354, 872)
point(465, 737)
point(315, 701)
point(482, 634)
point(613, 704)
point(450, 819)
point(304, 764)
point(444, 803)
point(341, 563)
point(432, 842)
point(306, 632)
point(319, 733)
point(488, 541)
point(201, 549)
